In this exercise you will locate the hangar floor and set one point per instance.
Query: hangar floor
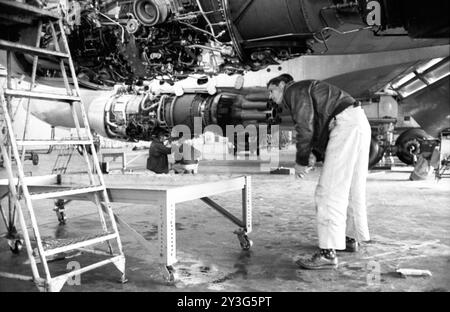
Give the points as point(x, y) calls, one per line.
point(409, 224)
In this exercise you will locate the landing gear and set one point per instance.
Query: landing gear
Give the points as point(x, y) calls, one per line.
point(376, 152)
point(244, 241)
point(411, 143)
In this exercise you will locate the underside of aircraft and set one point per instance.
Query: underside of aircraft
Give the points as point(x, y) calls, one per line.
point(178, 61)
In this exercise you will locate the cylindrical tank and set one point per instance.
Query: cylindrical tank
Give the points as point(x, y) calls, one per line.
point(268, 18)
point(253, 105)
point(247, 114)
point(269, 23)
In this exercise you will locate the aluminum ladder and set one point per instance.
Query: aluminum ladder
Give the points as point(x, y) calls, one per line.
point(65, 153)
point(18, 187)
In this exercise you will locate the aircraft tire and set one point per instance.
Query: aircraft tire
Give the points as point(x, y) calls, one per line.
point(410, 140)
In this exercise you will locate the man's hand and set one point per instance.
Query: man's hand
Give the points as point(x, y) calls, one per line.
point(301, 171)
point(312, 160)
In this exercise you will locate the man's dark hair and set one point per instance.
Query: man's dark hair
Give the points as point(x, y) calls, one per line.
point(286, 78)
point(157, 132)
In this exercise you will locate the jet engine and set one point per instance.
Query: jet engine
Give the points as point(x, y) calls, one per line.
point(131, 113)
point(133, 41)
point(138, 116)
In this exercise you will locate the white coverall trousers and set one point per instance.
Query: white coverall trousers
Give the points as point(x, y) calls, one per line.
point(341, 192)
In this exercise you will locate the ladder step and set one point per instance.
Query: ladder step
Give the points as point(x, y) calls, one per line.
point(84, 141)
point(58, 168)
point(9, 7)
point(42, 95)
point(67, 192)
point(55, 246)
point(18, 47)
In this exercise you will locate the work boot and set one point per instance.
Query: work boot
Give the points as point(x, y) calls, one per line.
point(351, 245)
point(321, 260)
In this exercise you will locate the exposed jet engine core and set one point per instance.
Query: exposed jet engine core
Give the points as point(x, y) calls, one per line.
point(132, 113)
point(147, 39)
point(133, 41)
point(139, 116)
point(139, 42)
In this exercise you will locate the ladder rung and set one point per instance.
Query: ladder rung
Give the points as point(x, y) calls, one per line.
point(67, 192)
point(42, 95)
point(18, 47)
point(56, 246)
point(53, 142)
point(23, 9)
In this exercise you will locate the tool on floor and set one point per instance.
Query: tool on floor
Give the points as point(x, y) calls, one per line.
point(413, 272)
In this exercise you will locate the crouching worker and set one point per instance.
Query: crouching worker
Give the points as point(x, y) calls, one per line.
point(158, 160)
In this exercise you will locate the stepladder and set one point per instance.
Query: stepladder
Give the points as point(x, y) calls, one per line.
point(22, 199)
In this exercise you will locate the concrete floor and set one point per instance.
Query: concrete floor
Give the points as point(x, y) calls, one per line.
point(409, 224)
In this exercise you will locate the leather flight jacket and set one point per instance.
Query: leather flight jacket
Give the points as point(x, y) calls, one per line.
point(313, 104)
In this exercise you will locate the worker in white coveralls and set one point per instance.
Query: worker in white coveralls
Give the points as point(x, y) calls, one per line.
point(331, 127)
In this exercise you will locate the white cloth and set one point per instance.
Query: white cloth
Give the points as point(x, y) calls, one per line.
point(425, 166)
point(422, 169)
point(341, 192)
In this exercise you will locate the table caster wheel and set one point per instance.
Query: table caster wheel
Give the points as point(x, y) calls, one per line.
point(15, 245)
point(244, 241)
point(60, 211)
point(61, 215)
point(170, 274)
point(123, 279)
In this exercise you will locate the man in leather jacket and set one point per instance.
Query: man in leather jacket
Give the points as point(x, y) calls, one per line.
point(331, 127)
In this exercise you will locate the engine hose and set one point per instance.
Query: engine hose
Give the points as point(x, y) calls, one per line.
point(142, 105)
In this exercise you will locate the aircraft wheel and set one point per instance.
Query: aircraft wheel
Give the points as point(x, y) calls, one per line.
point(408, 144)
point(35, 159)
point(170, 274)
